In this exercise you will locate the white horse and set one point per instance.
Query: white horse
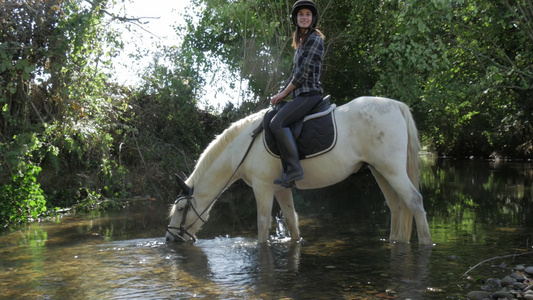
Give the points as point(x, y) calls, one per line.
point(378, 131)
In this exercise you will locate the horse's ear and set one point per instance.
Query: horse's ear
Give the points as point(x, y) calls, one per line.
point(183, 186)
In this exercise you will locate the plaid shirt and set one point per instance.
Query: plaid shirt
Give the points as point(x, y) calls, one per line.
point(308, 66)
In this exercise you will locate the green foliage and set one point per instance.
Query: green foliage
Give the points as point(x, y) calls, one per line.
point(465, 68)
point(23, 197)
point(170, 131)
point(251, 37)
point(95, 141)
point(59, 110)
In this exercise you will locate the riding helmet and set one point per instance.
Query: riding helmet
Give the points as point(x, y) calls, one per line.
point(304, 4)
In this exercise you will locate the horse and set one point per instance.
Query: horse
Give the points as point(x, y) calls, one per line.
point(373, 131)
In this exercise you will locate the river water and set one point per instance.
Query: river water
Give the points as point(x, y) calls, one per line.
point(476, 210)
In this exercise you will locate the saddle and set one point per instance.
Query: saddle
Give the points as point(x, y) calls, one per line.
point(316, 134)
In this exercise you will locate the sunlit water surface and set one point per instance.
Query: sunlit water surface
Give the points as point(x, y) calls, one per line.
point(477, 210)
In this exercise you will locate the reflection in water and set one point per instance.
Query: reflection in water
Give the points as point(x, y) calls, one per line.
point(409, 270)
point(477, 210)
point(473, 195)
point(238, 266)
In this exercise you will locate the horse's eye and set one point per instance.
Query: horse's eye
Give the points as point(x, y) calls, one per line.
point(180, 204)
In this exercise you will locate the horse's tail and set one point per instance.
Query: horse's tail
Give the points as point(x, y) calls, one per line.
point(413, 146)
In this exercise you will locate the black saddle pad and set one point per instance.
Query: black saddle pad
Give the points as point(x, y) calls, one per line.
point(315, 135)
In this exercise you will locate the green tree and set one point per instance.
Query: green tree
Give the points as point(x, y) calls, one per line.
point(466, 69)
point(251, 37)
point(170, 131)
point(54, 89)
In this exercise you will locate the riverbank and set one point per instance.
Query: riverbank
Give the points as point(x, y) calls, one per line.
point(517, 285)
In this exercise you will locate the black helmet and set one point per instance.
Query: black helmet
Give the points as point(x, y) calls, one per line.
point(304, 4)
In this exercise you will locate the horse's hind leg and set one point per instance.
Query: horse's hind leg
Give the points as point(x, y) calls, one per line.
point(286, 203)
point(401, 217)
point(412, 201)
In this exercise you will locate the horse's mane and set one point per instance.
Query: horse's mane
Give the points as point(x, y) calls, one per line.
point(220, 143)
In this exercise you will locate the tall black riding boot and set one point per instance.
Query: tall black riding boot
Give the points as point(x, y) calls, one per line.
point(289, 154)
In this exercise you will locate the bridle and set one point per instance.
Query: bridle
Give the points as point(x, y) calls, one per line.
point(182, 229)
point(187, 195)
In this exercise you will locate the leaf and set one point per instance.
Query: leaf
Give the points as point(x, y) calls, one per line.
point(29, 69)
point(4, 65)
point(21, 64)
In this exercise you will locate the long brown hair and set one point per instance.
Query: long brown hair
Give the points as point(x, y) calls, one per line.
point(299, 37)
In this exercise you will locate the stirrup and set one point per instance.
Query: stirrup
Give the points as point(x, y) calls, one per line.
point(285, 184)
point(288, 184)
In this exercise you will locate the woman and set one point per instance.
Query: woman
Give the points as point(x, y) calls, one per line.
point(303, 85)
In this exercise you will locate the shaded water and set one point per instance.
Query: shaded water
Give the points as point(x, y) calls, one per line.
point(476, 209)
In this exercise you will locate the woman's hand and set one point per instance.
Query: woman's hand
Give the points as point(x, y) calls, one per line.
point(282, 95)
point(277, 98)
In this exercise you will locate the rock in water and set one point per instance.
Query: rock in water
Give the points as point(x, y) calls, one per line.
point(478, 295)
point(529, 270)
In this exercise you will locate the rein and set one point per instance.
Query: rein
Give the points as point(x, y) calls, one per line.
point(184, 230)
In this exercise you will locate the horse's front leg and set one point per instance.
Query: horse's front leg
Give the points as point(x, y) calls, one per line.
point(286, 202)
point(264, 197)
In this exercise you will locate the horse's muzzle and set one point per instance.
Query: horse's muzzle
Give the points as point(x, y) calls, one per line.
point(179, 237)
point(172, 237)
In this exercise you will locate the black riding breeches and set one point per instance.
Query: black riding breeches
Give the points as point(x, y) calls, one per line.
point(294, 111)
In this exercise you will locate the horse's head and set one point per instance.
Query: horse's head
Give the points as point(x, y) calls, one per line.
point(185, 219)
